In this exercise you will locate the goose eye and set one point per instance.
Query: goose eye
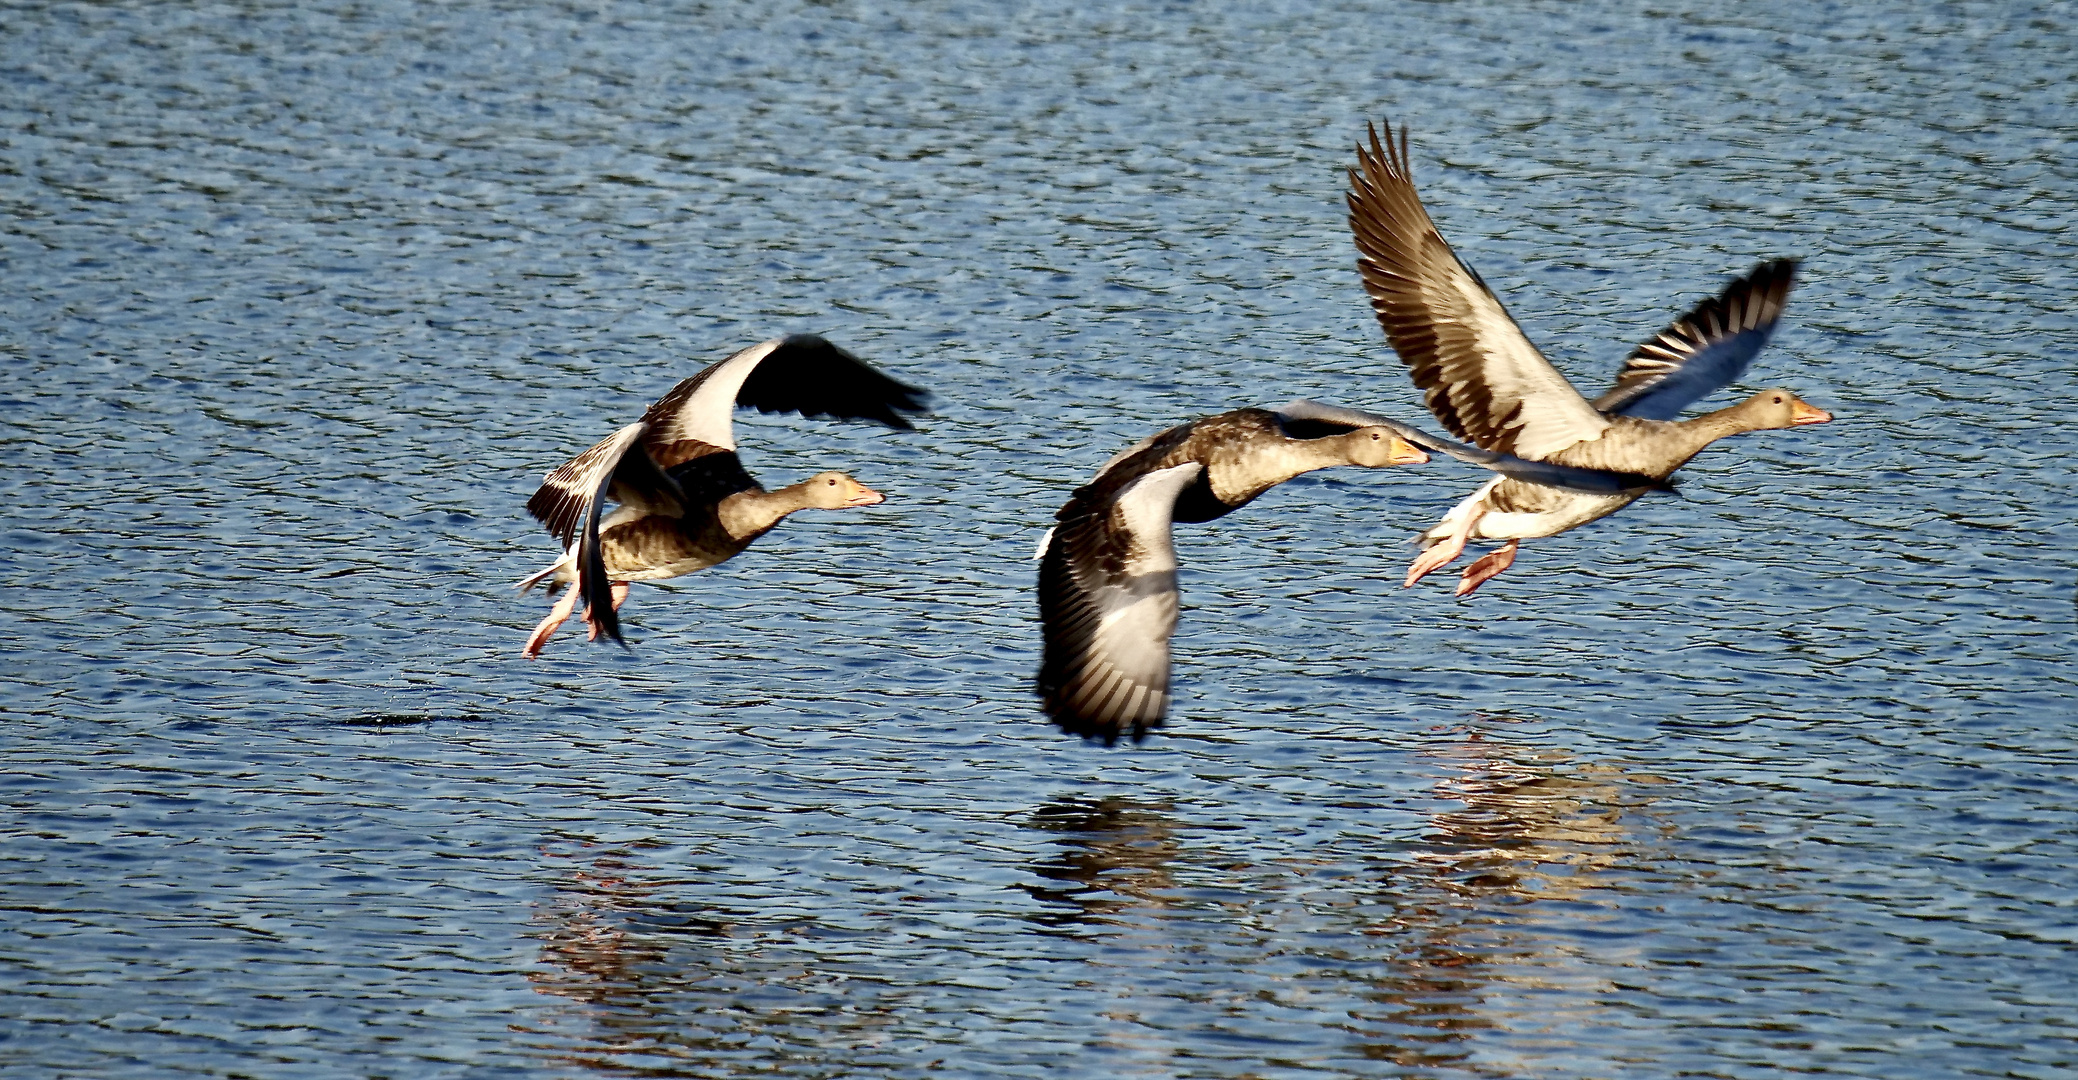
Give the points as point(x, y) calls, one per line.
point(1374, 436)
point(1778, 399)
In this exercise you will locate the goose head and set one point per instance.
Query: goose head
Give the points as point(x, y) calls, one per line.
point(1777, 408)
point(836, 491)
point(1378, 447)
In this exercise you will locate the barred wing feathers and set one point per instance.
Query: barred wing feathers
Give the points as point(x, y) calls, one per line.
point(1705, 350)
point(569, 503)
point(1478, 373)
point(1108, 606)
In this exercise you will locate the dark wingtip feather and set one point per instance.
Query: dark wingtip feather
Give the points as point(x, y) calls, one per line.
point(1066, 621)
point(1088, 729)
point(594, 586)
point(558, 510)
point(841, 386)
point(1707, 348)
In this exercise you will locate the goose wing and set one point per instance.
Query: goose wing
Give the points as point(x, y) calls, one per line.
point(1314, 415)
point(569, 504)
point(1107, 606)
point(802, 373)
point(1481, 377)
point(1705, 350)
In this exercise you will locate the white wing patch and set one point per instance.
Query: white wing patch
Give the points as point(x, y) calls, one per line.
point(1108, 602)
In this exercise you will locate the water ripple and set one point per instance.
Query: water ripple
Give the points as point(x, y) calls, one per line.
point(1770, 776)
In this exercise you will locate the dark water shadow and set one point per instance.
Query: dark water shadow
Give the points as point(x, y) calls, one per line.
point(1113, 856)
point(384, 721)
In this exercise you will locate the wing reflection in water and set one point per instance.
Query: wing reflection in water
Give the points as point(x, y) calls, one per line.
point(1400, 927)
point(604, 937)
point(1114, 856)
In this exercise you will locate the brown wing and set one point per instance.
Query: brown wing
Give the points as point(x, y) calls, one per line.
point(572, 488)
point(1481, 377)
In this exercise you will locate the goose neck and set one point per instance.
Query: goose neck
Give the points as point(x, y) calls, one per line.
point(749, 514)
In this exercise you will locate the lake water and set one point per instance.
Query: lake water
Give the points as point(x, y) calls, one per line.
point(1776, 776)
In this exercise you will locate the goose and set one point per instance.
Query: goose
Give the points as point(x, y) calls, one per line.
point(686, 502)
point(1107, 577)
point(1486, 382)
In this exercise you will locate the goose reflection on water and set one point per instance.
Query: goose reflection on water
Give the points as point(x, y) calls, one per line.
point(1443, 905)
point(1525, 827)
point(673, 988)
point(1527, 832)
point(607, 932)
point(1428, 932)
point(1114, 857)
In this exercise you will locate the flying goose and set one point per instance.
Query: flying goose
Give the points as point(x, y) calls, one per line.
point(686, 502)
point(1487, 383)
point(1107, 576)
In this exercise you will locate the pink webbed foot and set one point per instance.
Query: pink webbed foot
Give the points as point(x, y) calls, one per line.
point(1487, 568)
point(547, 626)
point(1449, 548)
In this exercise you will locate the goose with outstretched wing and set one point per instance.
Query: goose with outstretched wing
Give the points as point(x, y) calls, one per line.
point(1108, 600)
point(1481, 376)
point(685, 501)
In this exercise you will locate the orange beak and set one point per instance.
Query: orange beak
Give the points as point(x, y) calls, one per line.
point(1801, 414)
point(864, 496)
point(1405, 453)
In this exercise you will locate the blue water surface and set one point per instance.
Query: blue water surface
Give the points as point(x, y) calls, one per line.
point(300, 300)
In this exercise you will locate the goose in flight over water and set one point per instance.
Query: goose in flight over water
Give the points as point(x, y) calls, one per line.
point(1107, 575)
point(686, 502)
point(1487, 383)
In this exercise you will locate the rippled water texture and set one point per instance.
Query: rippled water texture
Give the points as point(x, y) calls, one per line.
point(300, 300)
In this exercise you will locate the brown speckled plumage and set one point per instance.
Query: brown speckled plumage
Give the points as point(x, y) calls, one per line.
point(686, 502)
point(1487, 383)
point(1107, 577)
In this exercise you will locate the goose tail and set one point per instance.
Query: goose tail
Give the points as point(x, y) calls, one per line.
point(549, 575)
